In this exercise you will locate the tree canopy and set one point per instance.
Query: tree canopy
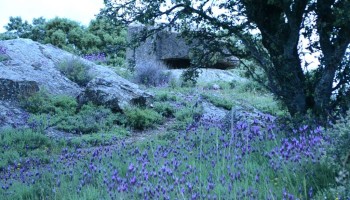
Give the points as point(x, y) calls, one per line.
point(100, 36)
point(269, 32)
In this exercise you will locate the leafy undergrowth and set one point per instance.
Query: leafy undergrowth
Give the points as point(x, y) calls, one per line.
point(191, 159)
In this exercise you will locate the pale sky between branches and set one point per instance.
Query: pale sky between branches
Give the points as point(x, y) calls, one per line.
point(82, 11)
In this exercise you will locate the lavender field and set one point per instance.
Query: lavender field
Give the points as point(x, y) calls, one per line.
point(251, 157)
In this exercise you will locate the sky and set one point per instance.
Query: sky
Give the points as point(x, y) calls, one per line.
point(82, 11)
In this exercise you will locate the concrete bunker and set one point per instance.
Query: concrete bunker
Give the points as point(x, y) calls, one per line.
point(167, 50)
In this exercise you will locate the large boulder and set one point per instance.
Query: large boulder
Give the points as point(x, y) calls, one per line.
point(27, 66)
point(113, 92)
point(30, 65)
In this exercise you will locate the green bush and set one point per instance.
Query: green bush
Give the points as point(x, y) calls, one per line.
point(75, 70)
point(186, 116)
point(39, 102)
point(251, 86)
point(218, 102)
point(89, 119)
point(16, 144)
point(164, 108)
point(62, 112)
point(165, 96)
point(99, 139)
point(339, 151)
point(142, 118)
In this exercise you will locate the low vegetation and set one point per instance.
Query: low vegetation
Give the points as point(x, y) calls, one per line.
point(256, 157)
point(75, 70)
point(152, 75)
point(142, 118)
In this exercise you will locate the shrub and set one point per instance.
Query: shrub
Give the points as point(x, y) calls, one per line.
point(186, 116)
point(142, 118)
point(218, 102)
point(43, 102)
point(251, 86)
point(165, 96)
point(152, 75)
point(164, 108)
point(339, 152)
point(22, 143)
point(75, 70)
point(89, 119)
point(63, 113)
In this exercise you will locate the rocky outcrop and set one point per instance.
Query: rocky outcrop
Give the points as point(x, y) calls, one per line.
point(12, 89)
point(113, 93)
point(30, 66)
point(12, 116)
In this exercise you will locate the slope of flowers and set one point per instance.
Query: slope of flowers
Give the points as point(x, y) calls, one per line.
point(250, 161)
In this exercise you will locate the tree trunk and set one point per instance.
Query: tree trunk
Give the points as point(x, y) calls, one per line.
point(280, 38)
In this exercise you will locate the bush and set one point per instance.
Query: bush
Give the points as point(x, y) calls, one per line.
point(251, 86)
point(151, 75)
point(186, 116)
point(43, 102)
point(75, 70)
point(22, 143)
point(189, 77)
point(63, 113)
point(142, 118)
point(339, 151)
point(89, 119)
point(165, 96)
point(164, 108)
point(218, 102)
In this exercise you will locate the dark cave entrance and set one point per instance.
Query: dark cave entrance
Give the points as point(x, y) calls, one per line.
point(178, 63)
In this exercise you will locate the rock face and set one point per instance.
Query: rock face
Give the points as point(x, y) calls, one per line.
point(30, 66)
point(11, 116)
point(112, 91)
point(167, 50)
point(12, 90)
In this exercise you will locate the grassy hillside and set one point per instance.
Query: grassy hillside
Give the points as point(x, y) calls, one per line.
point(166, 151)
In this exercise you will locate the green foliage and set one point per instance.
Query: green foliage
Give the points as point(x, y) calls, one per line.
point(63, 113)
point(18, 27)
point(101, 36)
point(89, 119)
point(219, 102)
point(18, 144)
point(189, 77)
point(142, 118)
point(165, 96)
point(43, 102)
point(186, 116)
point(112, 39)
point(98, 139)
point(75, 70)
point(164, 108)
point(252, 87)
point(338, 155)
